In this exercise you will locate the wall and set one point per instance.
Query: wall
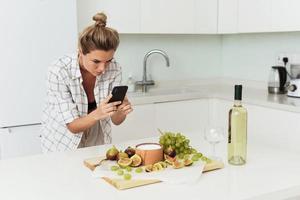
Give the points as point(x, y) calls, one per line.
point(191, 56)
point(250, 56)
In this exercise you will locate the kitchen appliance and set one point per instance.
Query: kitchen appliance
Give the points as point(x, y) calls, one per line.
point(295, 71)
point(294, 88)
point(278, 83)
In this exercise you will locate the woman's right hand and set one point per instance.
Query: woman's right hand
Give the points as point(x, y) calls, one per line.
point(105, 109)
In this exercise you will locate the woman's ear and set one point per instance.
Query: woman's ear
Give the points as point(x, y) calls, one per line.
point(79, 52)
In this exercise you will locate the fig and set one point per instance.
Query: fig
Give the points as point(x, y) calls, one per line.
point(122, 155)
point(169, 159)
point(177, 164)
point(112, 153)
point(188, 162)
point(148, 168)
point(136, 160)
point(170, 152)
point(130, 151)
point(124, 162)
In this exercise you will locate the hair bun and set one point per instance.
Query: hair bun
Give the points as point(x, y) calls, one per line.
point(100, 19)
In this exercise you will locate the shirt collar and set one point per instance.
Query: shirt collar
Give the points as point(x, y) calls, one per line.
point(75, 68)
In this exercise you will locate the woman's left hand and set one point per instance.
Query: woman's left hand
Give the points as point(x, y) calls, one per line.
point(125, 108)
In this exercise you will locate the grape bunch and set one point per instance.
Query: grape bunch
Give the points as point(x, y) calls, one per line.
point(177, 142)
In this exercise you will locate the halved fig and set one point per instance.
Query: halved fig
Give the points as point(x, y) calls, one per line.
point(136, 160)
point(124, 162)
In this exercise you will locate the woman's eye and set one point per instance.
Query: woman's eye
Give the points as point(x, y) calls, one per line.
point(96, 61)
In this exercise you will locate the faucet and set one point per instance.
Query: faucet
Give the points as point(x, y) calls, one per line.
point(145, 83)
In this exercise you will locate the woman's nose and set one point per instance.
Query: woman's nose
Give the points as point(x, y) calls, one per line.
point(101, 68)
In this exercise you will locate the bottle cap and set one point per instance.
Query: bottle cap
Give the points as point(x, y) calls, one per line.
point(238, 92)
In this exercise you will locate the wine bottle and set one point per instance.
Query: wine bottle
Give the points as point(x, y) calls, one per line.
point(237, 130)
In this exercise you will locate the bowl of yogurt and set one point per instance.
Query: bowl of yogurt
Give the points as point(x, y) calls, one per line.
point(150, 153)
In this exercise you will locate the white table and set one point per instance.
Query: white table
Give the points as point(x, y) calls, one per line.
point(269, 174)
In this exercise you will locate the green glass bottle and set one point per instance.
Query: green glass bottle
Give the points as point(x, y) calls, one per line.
point(237, 130)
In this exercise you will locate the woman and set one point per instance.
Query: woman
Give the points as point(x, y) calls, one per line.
point(76, 85)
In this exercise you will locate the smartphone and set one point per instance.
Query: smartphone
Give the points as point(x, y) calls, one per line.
point(118, 93)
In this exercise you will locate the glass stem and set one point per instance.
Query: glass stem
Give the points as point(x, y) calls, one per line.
point(214, 149)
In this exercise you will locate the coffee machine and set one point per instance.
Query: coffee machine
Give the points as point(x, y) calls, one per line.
point(294, 86)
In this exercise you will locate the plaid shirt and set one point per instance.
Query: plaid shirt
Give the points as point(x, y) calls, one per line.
point(67, 100)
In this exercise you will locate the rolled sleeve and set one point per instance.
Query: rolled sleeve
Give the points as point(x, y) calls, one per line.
point(62, 98)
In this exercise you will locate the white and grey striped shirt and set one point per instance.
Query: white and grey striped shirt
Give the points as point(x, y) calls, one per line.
point(66, 100)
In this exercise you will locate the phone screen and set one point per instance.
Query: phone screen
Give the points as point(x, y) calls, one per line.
point(118, 93)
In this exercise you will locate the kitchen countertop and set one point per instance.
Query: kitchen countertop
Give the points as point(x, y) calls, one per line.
point(269, 174)
point(253, 93)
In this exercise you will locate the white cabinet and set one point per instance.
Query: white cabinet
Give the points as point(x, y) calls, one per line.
point(152, 16)
point(267, 126)
point(167, 16)
point(227, 16)
point(254, 16)
point(138, 124)
point(268, 15)
point(206, 12)
point(179, 116)
point(285, 15)
point(182, 116)
point(123, 15)
point(20, 141)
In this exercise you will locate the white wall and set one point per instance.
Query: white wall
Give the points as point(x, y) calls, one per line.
point(191, 56)
point(250, 56)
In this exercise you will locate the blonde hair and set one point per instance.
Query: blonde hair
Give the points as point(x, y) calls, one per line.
point(98, 36)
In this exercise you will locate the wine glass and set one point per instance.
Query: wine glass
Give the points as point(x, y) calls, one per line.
point(214, 135)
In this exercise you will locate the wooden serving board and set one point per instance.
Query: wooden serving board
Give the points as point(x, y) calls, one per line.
point(122, 184)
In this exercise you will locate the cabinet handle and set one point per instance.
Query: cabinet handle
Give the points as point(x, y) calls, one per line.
point(21, 125)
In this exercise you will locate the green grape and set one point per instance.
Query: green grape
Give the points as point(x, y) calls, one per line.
point(168, 142)
point(195, 158)
point(181, 156)
point(199, 155)
point(186, 156)
point(194, 150)
point(139, 170)
point(120, 172)
point(127, 176)
point(203, 158)
point(114, 168)
point(128, 168)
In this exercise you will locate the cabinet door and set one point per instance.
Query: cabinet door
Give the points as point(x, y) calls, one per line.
point(285, 15)
point(206, 12)
point(138, 124)
point(123, 15)
point(254, 16)
point(20, 141)
point(182, 116)
point(227, 16)
point(167, 16)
